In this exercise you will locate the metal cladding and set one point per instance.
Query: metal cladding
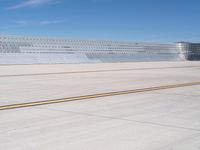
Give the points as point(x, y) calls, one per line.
point(39, 50)
point(190, 50)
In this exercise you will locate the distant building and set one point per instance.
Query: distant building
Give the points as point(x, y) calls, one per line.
point(190, 50)
point(40, 50)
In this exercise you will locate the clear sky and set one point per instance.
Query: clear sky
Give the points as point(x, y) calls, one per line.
point(133, 20)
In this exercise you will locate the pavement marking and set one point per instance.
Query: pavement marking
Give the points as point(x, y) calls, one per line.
point(46, 102)
point(94, 71)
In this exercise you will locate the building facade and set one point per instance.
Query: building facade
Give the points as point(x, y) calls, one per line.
point(41, 50)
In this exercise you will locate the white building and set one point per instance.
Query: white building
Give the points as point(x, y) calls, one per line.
point(39, 50)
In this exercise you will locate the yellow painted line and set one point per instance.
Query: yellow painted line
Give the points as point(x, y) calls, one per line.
point(30, 104)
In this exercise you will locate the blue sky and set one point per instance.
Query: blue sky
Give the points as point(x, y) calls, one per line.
point(133, 20)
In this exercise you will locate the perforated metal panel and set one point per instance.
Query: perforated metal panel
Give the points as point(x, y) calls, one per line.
point(34, 50)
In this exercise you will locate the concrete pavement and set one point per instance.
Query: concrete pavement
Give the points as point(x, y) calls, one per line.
point(157, 120)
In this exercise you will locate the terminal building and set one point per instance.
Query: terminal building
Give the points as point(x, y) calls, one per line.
point(41, 50)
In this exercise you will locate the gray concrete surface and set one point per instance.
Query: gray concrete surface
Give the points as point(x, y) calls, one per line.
point(158, 120)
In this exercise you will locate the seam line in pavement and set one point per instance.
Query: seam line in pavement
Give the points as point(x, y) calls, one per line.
point(92, 96)
point(129, 120)
point(93, 71)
